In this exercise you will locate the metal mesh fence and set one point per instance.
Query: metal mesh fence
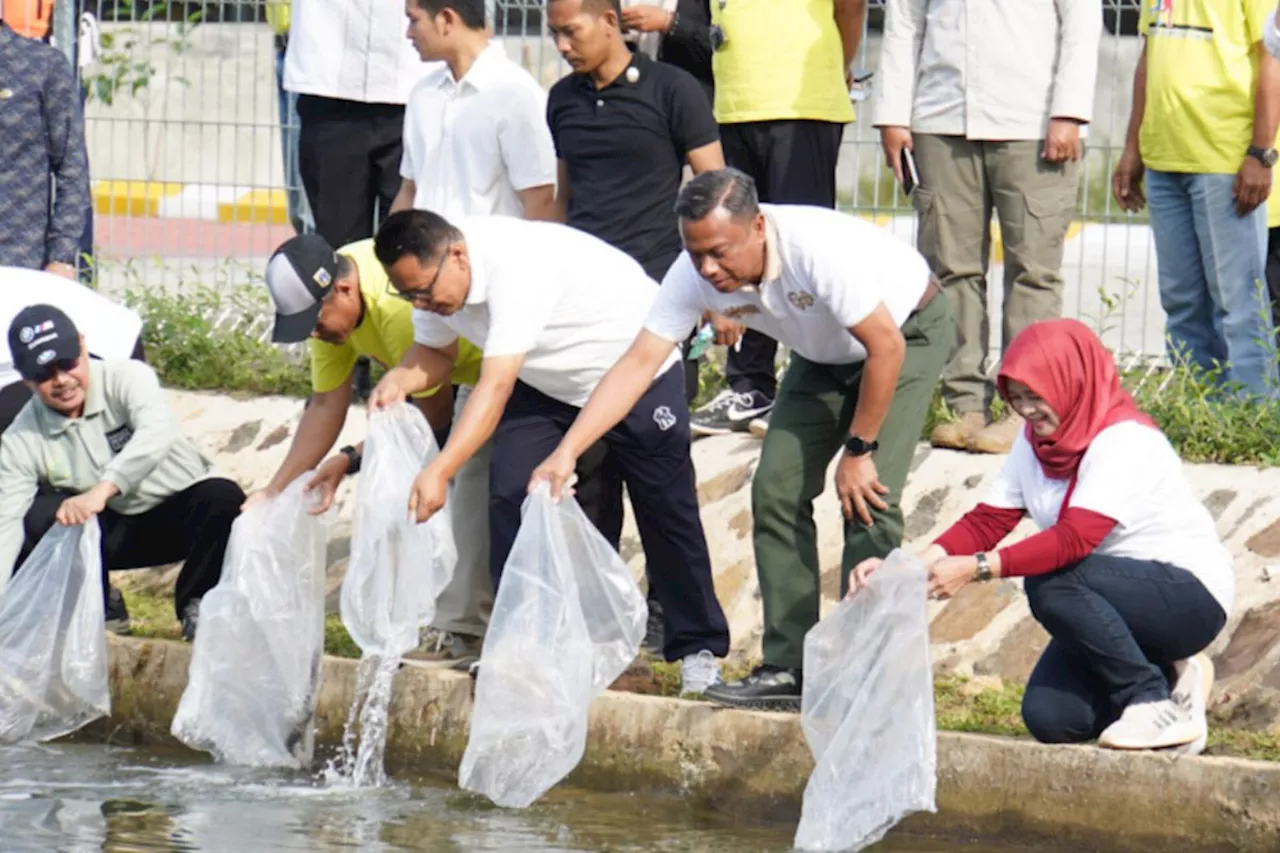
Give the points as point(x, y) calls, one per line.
point(184, 122)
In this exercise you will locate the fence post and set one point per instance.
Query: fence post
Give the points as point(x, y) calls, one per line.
point(65, 28)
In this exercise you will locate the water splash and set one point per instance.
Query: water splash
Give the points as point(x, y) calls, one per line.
point(359, 763)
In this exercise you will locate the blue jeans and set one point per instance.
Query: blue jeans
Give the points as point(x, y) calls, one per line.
point(1212, 266)
point(299, 209)
point(1118, 625)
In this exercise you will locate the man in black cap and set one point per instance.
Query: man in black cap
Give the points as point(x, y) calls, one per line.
point(110, 330)
point(98, 439)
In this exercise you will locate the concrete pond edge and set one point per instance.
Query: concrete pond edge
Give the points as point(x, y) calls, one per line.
point(755, 765)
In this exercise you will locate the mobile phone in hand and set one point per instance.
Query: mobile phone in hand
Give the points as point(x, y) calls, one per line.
point(910, 177)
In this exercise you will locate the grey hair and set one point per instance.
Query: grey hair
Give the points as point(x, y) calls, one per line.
point(729, 189)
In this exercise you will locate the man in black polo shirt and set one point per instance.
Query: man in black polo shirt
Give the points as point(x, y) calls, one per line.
point(624, 127)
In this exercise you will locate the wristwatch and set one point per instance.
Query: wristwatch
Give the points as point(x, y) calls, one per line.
point(983, 572)
point(1265, 156)
point(858, 446)
point(353, 459)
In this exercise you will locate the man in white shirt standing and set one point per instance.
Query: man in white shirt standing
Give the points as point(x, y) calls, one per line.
point(553, 308)
point(351, 68)
point(476, 142)
point(869, 334)
point(992, 98)
point(475, 131)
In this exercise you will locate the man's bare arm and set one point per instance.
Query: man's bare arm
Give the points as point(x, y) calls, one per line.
point(539, 203)
point(404, 198)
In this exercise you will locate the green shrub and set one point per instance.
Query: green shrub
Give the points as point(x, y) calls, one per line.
point(203, 338)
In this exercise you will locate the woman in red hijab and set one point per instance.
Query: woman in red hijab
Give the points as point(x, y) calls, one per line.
point(1127, 574)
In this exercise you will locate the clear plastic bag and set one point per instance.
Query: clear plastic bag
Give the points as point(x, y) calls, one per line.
point(398, 567)
point(257, 658)
point(867, 712)
point(53, 639)
point(567, 621)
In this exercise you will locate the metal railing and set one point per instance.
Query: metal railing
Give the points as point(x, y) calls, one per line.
point(185, 150)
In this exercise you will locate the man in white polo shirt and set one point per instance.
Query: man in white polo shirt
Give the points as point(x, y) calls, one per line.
point(553, 308)
point(869, 338)
point(476, 139)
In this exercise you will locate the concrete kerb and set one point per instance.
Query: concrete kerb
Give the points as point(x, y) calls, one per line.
point(756, 764)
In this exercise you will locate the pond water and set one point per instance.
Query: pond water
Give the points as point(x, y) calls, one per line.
point(75, 798)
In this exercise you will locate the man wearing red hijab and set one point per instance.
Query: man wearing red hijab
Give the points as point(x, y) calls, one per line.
point(1127, 574)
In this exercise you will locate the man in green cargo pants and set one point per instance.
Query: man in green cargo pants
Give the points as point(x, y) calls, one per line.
point(869, 339)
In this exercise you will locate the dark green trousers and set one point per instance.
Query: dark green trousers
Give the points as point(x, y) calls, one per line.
point(809, 425)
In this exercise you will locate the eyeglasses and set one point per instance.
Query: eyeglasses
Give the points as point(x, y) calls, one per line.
point(45, 372)
point(422, 294)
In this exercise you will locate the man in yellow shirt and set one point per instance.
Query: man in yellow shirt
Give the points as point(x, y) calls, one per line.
point(344, 303)
point(1202, 130)
point(782, 101)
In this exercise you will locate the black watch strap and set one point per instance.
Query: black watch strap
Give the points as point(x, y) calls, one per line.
point(353, 459)
point(1265, 156)
point(858, 446)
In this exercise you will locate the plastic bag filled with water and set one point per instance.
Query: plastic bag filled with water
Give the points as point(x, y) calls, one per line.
point(567, 621)
point(256, 660)
point(867, 712)
point(53, 638)
point(398, 567)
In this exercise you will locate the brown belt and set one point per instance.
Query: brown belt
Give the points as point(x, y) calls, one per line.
point(931, 292)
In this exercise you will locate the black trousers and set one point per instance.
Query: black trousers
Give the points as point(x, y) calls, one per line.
point(349, 160)
point(651, 450)
point(192, 525)
point(1273, 274)
point(792, 162)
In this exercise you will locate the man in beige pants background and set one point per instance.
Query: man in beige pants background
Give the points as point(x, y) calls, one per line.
point(992, 97)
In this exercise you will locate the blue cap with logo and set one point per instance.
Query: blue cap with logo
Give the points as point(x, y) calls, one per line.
point(40, 338)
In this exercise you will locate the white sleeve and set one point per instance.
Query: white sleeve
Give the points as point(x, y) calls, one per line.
point(1120, 469)
point(431, 331)
point(1005, 491)
point(1271, 35)
point(525, 139)
point(519, 310)
point(408, 169)
point(679, 304)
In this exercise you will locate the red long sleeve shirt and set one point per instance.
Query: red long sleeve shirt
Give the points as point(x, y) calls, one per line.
point(1075, 536)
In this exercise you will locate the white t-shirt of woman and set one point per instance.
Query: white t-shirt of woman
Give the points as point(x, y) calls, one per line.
point(1132, 474)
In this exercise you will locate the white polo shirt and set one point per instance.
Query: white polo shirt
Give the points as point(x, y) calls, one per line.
point(824, 272)
point(110, 330)
point(569, 302)
point(352, 50)
point(1132, 474)
point(470, 145)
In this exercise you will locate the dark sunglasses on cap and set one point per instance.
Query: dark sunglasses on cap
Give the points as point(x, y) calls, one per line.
point(45, 372)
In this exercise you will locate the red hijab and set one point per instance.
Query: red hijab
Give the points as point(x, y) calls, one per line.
point(1064, 363)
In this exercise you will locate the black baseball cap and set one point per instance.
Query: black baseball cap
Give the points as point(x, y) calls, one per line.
point(299, 276)
point(39, 336)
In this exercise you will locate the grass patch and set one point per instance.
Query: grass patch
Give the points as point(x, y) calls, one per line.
point(207, 338)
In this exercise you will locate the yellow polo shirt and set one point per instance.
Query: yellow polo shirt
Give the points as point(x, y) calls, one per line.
point(781, 59)
point(384, 334)
point(1201, 66)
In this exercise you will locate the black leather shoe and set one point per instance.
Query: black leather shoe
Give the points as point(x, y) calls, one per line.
point(767, 688)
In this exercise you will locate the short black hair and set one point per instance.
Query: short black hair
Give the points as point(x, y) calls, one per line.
point(470, 11)
point(345, 267)
point(599, 7)
point(418, 233)
point(729, 189)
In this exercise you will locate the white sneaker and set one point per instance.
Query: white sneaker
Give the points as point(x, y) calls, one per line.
point(1191, 693)
point(1151, 725)
point(698, 672)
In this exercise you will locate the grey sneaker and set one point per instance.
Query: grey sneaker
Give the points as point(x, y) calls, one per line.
point(190, 618)
point(455, 651)
point(117, 614)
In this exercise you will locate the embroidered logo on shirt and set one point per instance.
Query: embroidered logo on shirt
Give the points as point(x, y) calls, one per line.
point(118, 438)
point(664, 418)
point(800, 299)
point(6, 94)
point(740, 311)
